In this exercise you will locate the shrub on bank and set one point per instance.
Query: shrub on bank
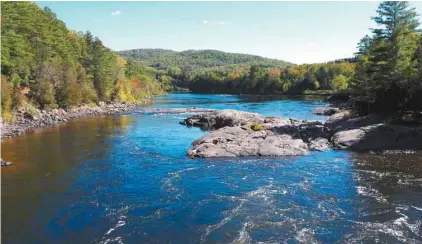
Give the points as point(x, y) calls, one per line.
point(256, 126)
point(6, 99)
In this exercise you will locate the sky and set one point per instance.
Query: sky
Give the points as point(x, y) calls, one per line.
point(297, 32)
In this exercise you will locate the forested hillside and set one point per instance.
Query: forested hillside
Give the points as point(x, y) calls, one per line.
point(46, 65)
point(197, 60)
point(221, 72)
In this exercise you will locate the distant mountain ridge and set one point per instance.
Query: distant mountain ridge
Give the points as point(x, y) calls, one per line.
point(213, 71)
point(198, 59)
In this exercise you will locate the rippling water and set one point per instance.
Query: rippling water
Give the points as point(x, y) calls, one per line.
point(126, 179)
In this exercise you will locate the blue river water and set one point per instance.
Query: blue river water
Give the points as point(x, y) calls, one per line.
point(127, 179)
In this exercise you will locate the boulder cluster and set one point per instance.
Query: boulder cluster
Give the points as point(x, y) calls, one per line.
point(233, 134)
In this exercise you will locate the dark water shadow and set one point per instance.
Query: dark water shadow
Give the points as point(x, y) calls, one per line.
point(40, 158)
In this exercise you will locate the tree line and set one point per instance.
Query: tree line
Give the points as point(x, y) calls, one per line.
point(211, 71)
point(45, 65)
point(388, 75)
point(297, 79)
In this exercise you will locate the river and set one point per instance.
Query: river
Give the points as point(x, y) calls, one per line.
point(126, 179)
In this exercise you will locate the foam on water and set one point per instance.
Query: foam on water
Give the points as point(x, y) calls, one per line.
point(243, 237)
point(229, 216)
point(370, 192)
point(306, 235)
point(118, 240)
point(120, 223)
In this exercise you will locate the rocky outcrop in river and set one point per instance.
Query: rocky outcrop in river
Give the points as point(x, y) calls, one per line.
point(237, 134)
point(233, 135)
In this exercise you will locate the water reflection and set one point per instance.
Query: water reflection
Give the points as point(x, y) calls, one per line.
point(40, 157)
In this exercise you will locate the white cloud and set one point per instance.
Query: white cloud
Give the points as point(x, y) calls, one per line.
point(206, 22)
point(116, 13)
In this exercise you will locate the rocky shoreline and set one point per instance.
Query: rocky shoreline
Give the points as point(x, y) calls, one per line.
point(239, 134)
point(27, 120)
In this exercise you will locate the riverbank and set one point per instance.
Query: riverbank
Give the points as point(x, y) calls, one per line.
point(26, 120)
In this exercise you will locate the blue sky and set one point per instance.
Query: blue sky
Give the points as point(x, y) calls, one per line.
point(299, 32)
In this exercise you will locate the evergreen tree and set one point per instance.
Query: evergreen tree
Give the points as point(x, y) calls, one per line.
point(364, 45)
point(384, 74)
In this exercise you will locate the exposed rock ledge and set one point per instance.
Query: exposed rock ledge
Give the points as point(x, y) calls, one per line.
point(232, 136)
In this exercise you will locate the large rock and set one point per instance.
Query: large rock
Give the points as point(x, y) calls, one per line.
point(379, 137)
point(340, 116)
point(222, 118)
point(311, 130)
point(242, 142)
point(348, 138)
point(355, 122)
point(232, 136)
point(319, 144)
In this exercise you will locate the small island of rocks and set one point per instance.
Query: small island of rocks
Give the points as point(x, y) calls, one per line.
point(240, 134)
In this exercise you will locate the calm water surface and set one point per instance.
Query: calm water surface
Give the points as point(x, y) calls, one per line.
point(126, 179)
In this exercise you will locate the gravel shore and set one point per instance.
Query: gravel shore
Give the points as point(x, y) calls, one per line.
point(25, 120)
